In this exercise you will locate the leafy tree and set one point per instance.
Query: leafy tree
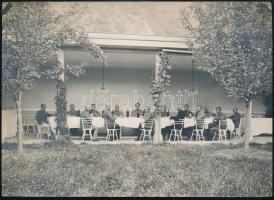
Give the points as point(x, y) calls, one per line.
point(233, 42)
point(31, 35)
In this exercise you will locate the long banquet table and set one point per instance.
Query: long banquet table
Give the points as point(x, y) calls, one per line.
point(75, 122)
point(190, 122)
point(132, 122)
point(129, 122)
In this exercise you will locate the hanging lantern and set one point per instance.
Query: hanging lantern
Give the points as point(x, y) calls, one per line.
point(192, 90)
point(102, 88)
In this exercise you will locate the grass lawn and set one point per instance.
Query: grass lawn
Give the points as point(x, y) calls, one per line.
point(138, 170)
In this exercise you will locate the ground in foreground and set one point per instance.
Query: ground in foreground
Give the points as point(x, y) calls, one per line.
point(138, 170)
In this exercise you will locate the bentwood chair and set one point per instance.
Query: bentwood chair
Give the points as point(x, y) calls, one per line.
point(112, 131)
point(198, 132)
point(30, 123)
point(222, 130)
point(147, 130)
point(43, 129)
point(86, 127)
point(177, 130)
point(237, 131)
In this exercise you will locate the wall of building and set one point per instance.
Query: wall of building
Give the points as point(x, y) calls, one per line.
point(9, 124)
point(130, 85)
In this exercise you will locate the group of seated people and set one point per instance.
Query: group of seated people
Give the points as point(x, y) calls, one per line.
point(111, 115)
point(185, 112)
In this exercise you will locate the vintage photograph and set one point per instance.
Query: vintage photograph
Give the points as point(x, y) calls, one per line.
point(137, 99)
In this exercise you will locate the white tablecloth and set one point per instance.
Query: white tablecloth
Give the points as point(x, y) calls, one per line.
point(208, 121)
point(130, 122)
point(98, 122)
point(74, 122)
point(230, 124)
point(165, 121)
point(189, 122)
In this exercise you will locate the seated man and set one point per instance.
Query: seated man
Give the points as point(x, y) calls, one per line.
point(109, 118)
point(137, 112)
point(86, 113)
point(116, 112)
point(180, 115)
point(94, 112)
point(207, 112)
point(236, 117)
point(217, 117)
point(165, 111)
point(42, 117)
point(72, 111)
point(199, 114)
point(148, 116)
point(186, 111)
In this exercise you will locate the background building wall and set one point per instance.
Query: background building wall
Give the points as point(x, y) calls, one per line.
point(122, 83)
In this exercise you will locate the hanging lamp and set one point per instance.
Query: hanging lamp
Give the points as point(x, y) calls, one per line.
point(192, 89)
point(102, 88)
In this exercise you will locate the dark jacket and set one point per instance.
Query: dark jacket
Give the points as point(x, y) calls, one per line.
point(74, 113)
point(136, 112)
point(41, 116)
point(236, 117)
point(95, 113)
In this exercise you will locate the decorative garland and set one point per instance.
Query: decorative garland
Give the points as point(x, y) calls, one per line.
point(160, 77)
point(61, 107)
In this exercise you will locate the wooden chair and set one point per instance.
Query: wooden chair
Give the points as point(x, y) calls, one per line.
point(43, 128)
point(237, 131)
point(222, 129)
point(147, 130)
point(112, 131)
point(177, 130)
point(198, 132)
point(30, 123)
point(86, 127)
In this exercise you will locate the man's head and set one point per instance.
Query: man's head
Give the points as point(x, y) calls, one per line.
point(108, 107)
point(147, 109)
point(43, 106)
point(72, 107)
point(186, 107)
point(180, 107)
point(218, 109)
point(235, 109)
point(164, 107)
point(116, 107)
point(137, 105)
point(93, 106)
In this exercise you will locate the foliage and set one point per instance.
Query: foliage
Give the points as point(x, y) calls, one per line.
point(25, 46)
point(233, 41)
point(160, 77)
point(138, 170)
point(31, 35)
point(61, 106)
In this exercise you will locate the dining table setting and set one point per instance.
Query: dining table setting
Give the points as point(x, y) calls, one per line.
point(133, 122)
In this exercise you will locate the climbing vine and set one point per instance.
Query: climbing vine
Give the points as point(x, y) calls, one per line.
point(160, 77)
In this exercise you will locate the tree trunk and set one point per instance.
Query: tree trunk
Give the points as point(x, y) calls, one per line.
point(19, 133)
point(247, 124)
point(157, 138)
